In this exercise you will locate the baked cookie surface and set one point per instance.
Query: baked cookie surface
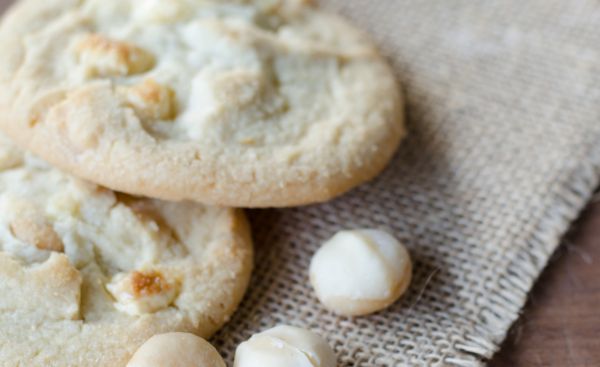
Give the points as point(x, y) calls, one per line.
point(88, 275)
point(235, 103)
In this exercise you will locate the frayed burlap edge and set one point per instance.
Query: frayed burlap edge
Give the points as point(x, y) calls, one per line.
point(527, 264)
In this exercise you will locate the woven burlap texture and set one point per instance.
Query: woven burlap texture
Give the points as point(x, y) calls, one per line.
point(503, 108)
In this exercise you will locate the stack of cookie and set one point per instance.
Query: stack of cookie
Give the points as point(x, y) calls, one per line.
point(131, 128)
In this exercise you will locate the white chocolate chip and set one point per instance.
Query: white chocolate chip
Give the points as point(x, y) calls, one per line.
point(151, 101)
point(161, 11)
point(285, 346)
point(139, 293)
point(176, 350)
point(10, 157)
point(100, 56)
point(63, 203)
point(30, 225)
point(360, 272)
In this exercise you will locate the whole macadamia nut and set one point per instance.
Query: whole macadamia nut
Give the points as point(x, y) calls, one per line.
point(359, 272)
point(285, 346)
point(176, 350)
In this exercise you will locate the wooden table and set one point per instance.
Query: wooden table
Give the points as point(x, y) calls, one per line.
point(561, 323)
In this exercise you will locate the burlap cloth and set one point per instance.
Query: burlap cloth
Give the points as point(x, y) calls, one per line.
point(504, 151)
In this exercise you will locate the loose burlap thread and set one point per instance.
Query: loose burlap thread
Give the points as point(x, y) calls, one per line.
point(503, 108)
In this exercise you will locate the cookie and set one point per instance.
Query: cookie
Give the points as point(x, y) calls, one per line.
point(88, 275)
point(250, 103)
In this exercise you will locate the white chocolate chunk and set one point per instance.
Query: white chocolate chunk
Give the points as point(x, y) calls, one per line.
point(29, 225)
point(101, 57)
point(151, 101)
point(285, 346)
point(160, 11)
point(360, 272)
point(138, 293)
point(176, 350)
point(10, 157)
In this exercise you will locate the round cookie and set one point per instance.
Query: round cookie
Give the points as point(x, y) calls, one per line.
point(249, 103)
point(88, 275)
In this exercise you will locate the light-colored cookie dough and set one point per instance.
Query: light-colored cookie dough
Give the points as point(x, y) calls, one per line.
point(176, 350)
point(285, 346)
point(241, 103)
point(88, 275)
point(360, 272)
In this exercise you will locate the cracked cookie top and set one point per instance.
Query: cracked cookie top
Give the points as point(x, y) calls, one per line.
point(87, 274)
point(239, 102)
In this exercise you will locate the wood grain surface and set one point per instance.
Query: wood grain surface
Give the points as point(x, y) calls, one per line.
point(560, 325)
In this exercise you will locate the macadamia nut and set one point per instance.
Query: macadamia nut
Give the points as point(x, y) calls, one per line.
point(176, 350)
point(285, 346)
point(359, 272)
